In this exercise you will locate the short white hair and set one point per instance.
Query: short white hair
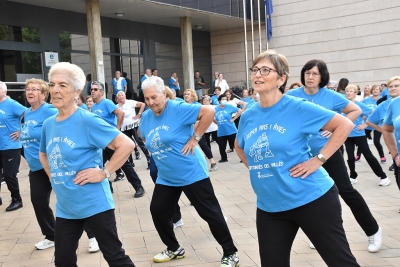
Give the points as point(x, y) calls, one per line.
point(121, 93)
point(75, 74)
point(154, 81)
point(3, 86)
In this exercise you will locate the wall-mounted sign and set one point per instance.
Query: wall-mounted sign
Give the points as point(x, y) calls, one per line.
point(51, 58)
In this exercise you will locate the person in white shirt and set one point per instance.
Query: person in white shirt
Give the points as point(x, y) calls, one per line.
point(221, 82)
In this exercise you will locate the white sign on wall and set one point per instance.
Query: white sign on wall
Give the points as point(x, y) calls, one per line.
point(51, 58)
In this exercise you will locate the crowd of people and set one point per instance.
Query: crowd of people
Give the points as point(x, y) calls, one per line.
point(280, 133)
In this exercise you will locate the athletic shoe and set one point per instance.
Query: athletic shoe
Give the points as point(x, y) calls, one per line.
point(353, 180)
point(15, 204)
point(384, 182)
point(370, 142)
point(168, 255)
point(213, 167)
point(229, 151)
point(44, 244)
point(223, 160)
point(119, 177)
point(312, 245)
point(138, 155)
point(139, 192)
point(3, 181)
point(178, 223)
point(357, 158)
point(375, 241)
point(1, 201)
point(230, 261)
point(383, 160)
point(93, 245)
point(391, 168)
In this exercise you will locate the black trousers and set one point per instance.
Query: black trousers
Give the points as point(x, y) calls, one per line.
point(10, 160)
point(213, 136)
point(222, 144)
point(201, 195)
point(397, 174)
point(153, 174)
point(320, 220)
point(129, 171)
point(361, 142)
point(205, 147)
point(40, 197)
point(377, 142)
point(337, 170)
point(104, 227)
point(132, 134)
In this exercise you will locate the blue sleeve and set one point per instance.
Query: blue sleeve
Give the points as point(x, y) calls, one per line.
point(143, 79)
point(112, 82)
point(43, 141)
point(18, 109)
point(339, 102)
point(188, 113)
point(124, 82)
point(111, 107)
point(233, 109)
point(100, 132)
point(170, 82)
point(375, 117)
point(313, 118)
point(241, 126)
point(365, 110)
point(389, 115)
point(51, 111)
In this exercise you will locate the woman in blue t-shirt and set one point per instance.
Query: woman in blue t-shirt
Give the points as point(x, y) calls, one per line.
point(73, 161)
point(357, 138)
point(225, 115)
point(293, 190)
point(167, 128)
point(315, 76)
point(391, 126)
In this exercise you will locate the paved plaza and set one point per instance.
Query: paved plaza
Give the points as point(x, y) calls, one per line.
point(19, 230)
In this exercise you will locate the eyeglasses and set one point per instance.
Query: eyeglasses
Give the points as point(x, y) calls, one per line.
point(394, 86)
point(264, 71)
point(310, 73)
point(94, 89)
point(32, 89)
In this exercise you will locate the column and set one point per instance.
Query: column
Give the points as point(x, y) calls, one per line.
point(187, 53)
point(95, 40)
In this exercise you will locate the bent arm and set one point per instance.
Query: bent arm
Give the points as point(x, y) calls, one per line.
point(120, 117)
point(390, 140)
point(244, 104)
point(122, 146)
point(205, 117)
point(352, 111)
point(240, 153)
point(373, 125)
point(141, 106)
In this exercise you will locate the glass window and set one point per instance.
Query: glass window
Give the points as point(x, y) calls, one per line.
point(19, 34)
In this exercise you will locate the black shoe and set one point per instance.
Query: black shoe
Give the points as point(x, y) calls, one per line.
point(1, 201)
point(139, 192)
point(138, 155)
point(148, 165)
point(391, 168)
point(2, 180)
point(223, 160)
point(15, 204)
point(111, 187)
point(119, 177)
point(229, 151)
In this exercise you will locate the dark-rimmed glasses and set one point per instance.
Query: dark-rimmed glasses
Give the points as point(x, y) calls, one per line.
point(264, 71)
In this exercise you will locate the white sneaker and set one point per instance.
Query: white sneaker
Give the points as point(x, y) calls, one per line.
point(384, 182)
point(93, 245)
point(178, 223)
point(44, 244)
point(353, 180)
point(312, 245)
point(370, 142)
point(375, 241)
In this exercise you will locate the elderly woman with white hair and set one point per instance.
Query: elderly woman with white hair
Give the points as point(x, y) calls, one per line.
point(73, 161)
point(131, 122)
point(159, 128)
point(10, 145)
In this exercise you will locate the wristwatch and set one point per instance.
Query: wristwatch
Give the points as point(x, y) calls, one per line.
point(108, 175)
point(321, 158)
point(197, 137)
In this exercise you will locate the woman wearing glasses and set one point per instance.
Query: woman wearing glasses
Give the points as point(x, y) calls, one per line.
point(291, 187)
point(391, 126)
point(315, 76)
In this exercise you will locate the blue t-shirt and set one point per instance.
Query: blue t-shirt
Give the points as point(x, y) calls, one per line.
point(31, 133)
point(73, 145)
point(384, 92)
point(118, 85)
point(223, 117)
point(393, 118)
point(325, 98)
point(378, 115)
point(105, 109)
point(370, 102)
point(171, 84)
point(214, 100)
point(251, 104)
point(365, 111)
point(10, 122)
point(179, 99)
point(274, 140)
point(248, 99)
point(165, 137)
point(84, 107)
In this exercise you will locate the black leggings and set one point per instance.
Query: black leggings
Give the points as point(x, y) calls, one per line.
point(320, 220)
point(222, 144)
point(213, 135)
point(205, 147)
point(361, 142)
point(377, 142)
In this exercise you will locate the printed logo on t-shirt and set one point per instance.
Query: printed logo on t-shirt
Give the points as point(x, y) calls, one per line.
point(155, 142)
point(56, 158)
point(255, 149)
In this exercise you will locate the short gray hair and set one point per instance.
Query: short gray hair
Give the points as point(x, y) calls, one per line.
point(3, 86)
point(153, 81)
point(331, 82)
point(75, 74)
